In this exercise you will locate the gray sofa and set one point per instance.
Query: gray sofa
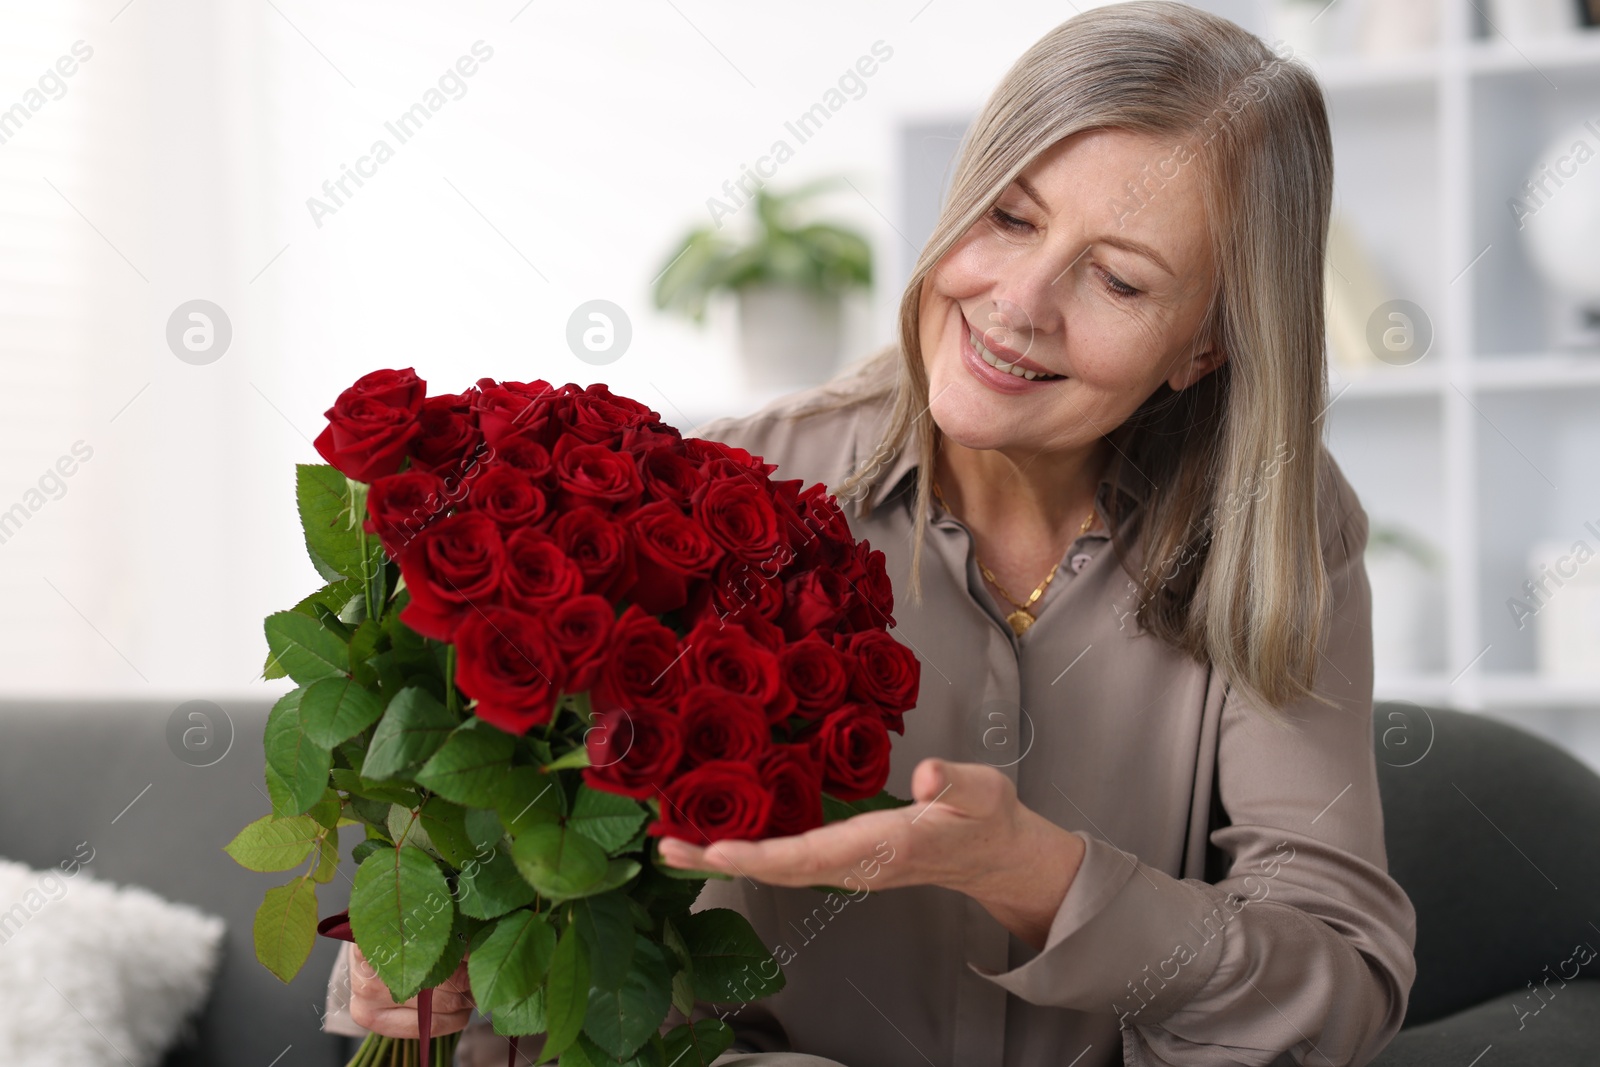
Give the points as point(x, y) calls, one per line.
point(1492, 832)
point(67, 770)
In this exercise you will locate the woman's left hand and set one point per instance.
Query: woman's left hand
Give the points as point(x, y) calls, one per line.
point(964, 830)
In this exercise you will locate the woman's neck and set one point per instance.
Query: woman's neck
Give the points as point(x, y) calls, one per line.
point(1042, 493)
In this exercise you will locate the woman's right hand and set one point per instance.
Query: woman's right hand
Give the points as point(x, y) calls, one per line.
point(373, 1008)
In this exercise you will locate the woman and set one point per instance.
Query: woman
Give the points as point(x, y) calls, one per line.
point(1146, 825)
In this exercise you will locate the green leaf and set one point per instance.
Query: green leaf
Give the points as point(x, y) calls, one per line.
point(731, 965)
point(331, 595)
point(445, 824)
point(606, 925)
point(327, 859)
point(620, 1021)
point(413, 727)
point(336, 709)
point(566, 997)
point(333, 535)
point(325, 812)
point(509, 960)
point(619, 872)
point(607, 819)
point(286, 926)
point(490, 888)
point(834, 809)
point(401, 913)
point(473, 766)
point(531, 798)
point(557, 861)
point(698, 1045)
point(305, 648)
point(683, 980)
point(279, 793)
point(577, 758)
point(455, 949)
point(300, 763)
point(483, 828)
point(366, 789)
point(359, 854)
point(522, 1018)
point(274, 844)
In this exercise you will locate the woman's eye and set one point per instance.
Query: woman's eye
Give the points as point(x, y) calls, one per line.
point(1118, 287)
point(1007, 220)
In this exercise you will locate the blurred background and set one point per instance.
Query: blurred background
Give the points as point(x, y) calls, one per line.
point(218, 214)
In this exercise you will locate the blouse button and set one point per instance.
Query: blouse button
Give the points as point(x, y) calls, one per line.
point(1080, 561)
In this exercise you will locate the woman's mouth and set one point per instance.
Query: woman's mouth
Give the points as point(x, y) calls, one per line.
point(996, 372)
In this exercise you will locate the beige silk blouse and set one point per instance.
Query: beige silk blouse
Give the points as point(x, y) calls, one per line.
point(1296, 949)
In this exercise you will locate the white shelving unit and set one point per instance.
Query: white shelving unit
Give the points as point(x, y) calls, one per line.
point(1478, 446)
point(1491, 442)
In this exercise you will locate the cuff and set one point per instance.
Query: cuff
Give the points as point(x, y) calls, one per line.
point(1128, 939)
point(336, 1016)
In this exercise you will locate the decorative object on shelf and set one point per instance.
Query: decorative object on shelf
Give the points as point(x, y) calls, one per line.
point(1353, 286)
point(1403, 570)
point(554, 631)
point(1521, 20)
point(1590, 10)
point(1388, 27)
point(1562, 595)
point(790, 278)
point(1558, 213)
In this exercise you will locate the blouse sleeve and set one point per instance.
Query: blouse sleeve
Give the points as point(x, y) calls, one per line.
point(1305, 947)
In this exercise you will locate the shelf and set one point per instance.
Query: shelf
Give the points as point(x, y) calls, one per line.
point(1579, 49)
point(1498, 690)
point(1536, 371)
point(1383, 380)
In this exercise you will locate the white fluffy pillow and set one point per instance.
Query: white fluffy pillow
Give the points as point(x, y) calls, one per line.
point(92, 974)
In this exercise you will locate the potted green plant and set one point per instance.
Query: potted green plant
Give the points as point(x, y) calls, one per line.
point(789, 275)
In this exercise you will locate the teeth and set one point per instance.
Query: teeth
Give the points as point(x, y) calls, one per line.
point(1010, 368)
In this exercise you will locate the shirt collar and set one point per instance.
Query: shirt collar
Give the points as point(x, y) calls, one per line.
point(892, 468)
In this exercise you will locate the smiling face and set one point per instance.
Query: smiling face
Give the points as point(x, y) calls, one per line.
point(1068, 279)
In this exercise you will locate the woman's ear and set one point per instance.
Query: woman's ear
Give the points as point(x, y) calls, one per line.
point(1198, 366)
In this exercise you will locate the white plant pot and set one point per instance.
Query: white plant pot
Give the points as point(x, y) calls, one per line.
point(789, 337)
point(1404, 622)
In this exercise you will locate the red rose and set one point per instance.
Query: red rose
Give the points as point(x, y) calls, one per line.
point(728, 657)
point(883, 672)
point(794, 777)
point(452, 568)
point(599, 416)
point(816, 674)
point(527, 455)
point(593, 474)
point(637, 440)
point(738, 513)
point(715, 801)
point(508, 496)
point(702, 452)
point(447, 432)
point(601, 548)
point(539, 575)
point(852, 744)
point(828, 537)
point(580, 628)
point(873, 607)
point(814, 600)
point(642, 668)
point(632, 752)
point(511, 409)
point(506, 662)
point(736, 593)
point(719, 725)
point(668, 476)
point(400, 506)
point(669, 549)
point(371, 423)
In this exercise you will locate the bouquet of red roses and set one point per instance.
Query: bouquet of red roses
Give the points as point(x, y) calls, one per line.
point(553, 630)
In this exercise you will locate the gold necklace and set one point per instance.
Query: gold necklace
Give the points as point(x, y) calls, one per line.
point(1021, 618)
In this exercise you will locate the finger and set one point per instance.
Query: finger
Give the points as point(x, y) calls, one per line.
point(965, 787)
point(811, 858)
